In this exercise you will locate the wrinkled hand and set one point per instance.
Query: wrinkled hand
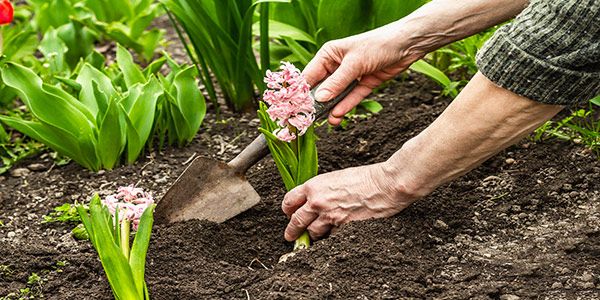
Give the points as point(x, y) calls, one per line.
point(372, 57)
point(335, 198)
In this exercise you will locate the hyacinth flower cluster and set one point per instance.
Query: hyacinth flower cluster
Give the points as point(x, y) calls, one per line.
point(108, 223)
point(290, 104)
point(286, 116)
point(130, 203)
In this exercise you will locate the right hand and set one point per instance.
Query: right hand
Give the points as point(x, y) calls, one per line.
point(371, 57)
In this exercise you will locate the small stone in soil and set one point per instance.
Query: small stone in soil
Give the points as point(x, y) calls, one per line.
point(452, 259)
point(439, 224)
point(19, 172)
point(509, 297)
point(509, 161)
point(557, 285)
point(36, 167)
point(11, 234)
point(587, 277)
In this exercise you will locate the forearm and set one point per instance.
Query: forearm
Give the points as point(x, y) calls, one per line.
point(441, 22)
point(480, 122)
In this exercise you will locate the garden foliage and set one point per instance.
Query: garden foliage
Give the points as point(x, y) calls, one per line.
point(221, 34)
point(95, 119)
point(88, 21)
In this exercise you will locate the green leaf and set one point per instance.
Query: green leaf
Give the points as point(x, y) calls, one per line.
point(342, 18)
point(57, 139)
point(64, 113)
point(116, 266)
point(434, 73)
point(596, 100)
point(141, 117)
point(301, 53)
point(54, 49)
point(280, 161)
point(109, 136)
point(308, 166)
point(154, 67)
point(130, 70)
point(96, 59)
point(190, 101)
point(137, 258)
point(278, 30)
point(387, 11)
point(87, 76)
point(371, 106)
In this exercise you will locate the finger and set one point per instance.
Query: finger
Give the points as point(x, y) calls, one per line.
point(319, 67)
point(338, 81)
point(293, 200)
point(319, 228)
point(299, 221)
point(334, 121)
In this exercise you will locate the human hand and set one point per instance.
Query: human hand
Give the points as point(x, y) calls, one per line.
point(372, 57)
point(338, 197)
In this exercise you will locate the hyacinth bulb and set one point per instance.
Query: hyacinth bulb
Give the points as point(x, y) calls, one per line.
point(290, 104)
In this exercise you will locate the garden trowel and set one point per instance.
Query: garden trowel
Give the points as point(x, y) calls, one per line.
point(216, 191)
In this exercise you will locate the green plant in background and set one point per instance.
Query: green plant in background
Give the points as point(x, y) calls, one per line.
point(460, 56)
point(221, 33)
point(80, 23)
point(450, 88)
point(287, 125)
point(182, 107)
point(364, 110)
point(63, 213)
point(302, 26)
point(108, 224)
point(18, 42)
point(93, 129)
point(106, 117)
point(14, 148)
point(581, 126)
point(128, 25)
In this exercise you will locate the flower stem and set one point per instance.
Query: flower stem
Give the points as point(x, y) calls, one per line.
point(1, 42)
point(303, 242)
point(125, 228)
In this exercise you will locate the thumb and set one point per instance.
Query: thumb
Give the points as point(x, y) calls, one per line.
point(338, 81)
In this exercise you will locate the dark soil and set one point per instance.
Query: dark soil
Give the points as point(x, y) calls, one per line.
point(524, 224)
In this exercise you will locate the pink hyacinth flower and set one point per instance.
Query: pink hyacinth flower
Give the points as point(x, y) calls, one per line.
point(131, 203)
point(290, 104)
point(284, 134)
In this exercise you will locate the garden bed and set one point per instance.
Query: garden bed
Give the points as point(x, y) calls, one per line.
point(526, 223)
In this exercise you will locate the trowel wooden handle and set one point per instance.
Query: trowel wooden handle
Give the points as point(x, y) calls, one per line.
point(259, 149)
point(250, 155)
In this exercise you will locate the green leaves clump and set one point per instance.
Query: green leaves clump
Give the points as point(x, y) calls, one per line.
point(125, 273)
point(102, 114)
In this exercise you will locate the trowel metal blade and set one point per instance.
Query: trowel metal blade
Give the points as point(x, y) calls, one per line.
point(206, 190)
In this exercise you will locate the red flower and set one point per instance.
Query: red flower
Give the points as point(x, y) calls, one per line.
point(6, 12)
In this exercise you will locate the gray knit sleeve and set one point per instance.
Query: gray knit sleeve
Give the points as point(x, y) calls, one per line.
point(550, 53)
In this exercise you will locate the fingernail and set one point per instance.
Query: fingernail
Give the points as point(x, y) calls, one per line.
point(323, 95)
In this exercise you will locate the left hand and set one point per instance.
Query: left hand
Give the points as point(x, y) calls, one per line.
point(338, 197)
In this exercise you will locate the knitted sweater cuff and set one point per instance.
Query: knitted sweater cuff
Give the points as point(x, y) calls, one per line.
point(514, 69)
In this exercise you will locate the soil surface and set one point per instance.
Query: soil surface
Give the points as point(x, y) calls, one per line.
point(523, 225)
